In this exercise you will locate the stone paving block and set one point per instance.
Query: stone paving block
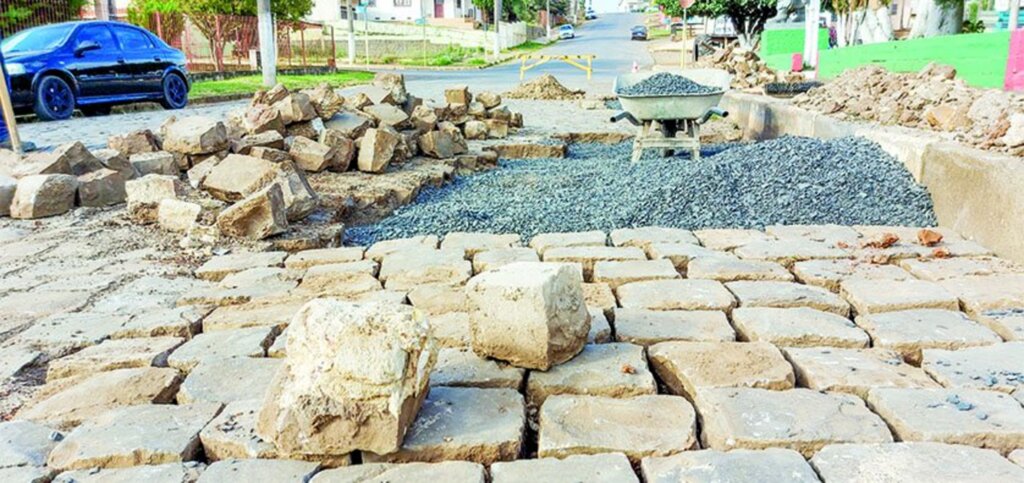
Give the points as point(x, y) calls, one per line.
point(951, 243)
point(40, 303)
point(147, 294)
point(187, 472)
point(463, 368)
point(28, 474)
point(494, 258)
point(1008, 323)
point(729, 238)
point(729, 269)
point(876, 296)
point(258, 470)
point(978, 294)
point(62, 333)
point(936, 462)
point(597, 468)
point(171, 322)
point(797, 327)
point(324, 281)
point(853, 371)
point(228, 380)
point(937, 269)
point(830, 234)
point(645, 236)
point(588, 256)
point(654, 425)
point(1017, 457)
point(438, 299)
point(615, 370)
point(600, 296)
point(218, 267)
point(787, 295)
point(615, 274)
point(381, 249)
point(326, 272)
point(545, 241)
point(985, 419)
point(686, 367)
point(114, 354)
point(25, 443)
point(148, 434)
point(675, 295)
point(600, 329)
point(446, 471)
point(260, 276)
point(232, 434)
point(830, 273)
point(323, 256)
point(409, 268)
point(911, 331)
point(473, 243)
point(789, 251)
point(15, 358)
point(529, 314)
point(252, 314)
point(222, 344)
point(799, 419)
point(219, 296)
point(997, 367)
point(66, 403)
point(451, 329)
point(461, 423)
point(680, 254)
point(753, 466)
point(646, 327)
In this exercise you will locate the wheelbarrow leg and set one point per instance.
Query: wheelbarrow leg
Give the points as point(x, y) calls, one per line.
point(638, 142)
point(694, 132)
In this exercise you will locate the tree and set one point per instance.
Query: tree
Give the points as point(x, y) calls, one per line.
point(861, 21)
point(21, 14)
point(747, 16)
point(937, 17)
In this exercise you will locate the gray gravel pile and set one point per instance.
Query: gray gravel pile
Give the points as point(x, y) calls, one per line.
point(784, 181)
point(665, 84)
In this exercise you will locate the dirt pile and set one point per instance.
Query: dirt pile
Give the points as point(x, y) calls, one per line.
point(748, 70)
point(545, 88)
point(931, 99)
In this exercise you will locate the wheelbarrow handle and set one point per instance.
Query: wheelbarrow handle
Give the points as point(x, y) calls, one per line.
point(714, 111)
point(627, 116)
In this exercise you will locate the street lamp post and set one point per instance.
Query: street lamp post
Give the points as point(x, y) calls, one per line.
point(351, 33)
point(497, 36)
point(268, 51)
point(547, 20)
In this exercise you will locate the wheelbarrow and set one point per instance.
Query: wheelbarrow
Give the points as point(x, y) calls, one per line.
point(671, 122)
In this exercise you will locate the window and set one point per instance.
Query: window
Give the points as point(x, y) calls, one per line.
point(96, 33)
point(132, 39)
point(403, 3)
point(37, 39)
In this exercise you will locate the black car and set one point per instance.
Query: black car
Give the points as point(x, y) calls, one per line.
point(92, 66)
point(638, 33)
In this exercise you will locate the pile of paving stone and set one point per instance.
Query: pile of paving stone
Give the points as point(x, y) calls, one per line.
point(787, 180)
point(246, 177)
point(748, 70)
point(428, 359)
point(544, 88)
point(933, 99)
point(666, 84)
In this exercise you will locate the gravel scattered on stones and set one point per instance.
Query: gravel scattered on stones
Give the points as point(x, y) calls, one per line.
point(790, 180)
point(666, 84)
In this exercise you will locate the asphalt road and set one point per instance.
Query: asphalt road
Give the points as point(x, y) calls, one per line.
point(606, 37)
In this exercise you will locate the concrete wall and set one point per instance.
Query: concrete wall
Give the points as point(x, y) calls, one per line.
point(980, 194)
point(512, 34)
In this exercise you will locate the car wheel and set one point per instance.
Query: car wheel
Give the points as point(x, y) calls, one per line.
point(175, 92)
point(54, 99)
point(96, 110)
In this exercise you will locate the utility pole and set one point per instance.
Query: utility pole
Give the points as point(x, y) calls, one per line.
point(497, 36)
point(268, 51)
point(1014, 14)
point(351, 32)
point(547, 20)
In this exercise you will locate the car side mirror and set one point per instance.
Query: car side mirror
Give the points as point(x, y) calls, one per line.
point(85, 46)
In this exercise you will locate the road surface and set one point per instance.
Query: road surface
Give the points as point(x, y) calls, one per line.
point(606, 37)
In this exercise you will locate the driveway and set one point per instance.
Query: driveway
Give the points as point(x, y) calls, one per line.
point(606, 37)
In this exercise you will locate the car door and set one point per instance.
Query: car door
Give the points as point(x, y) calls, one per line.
point(95, 69)
point(143, 59)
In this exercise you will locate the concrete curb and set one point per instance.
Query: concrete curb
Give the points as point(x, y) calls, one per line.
point(978, 193)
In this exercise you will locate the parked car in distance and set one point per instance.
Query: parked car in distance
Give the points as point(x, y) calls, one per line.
point(566, 32)
point(638, 32)
point(92, 66)
point(591, 14)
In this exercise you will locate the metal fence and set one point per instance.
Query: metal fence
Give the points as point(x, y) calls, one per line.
point(18, 15)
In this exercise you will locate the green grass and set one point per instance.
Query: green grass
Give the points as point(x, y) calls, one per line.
point(252, 83)
point(658, 33)
point(979, 59)
point(529, 46)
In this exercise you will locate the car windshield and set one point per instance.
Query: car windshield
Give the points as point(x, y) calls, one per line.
point(36, 39)
point(566, 27)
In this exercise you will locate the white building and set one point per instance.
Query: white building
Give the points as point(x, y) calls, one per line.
point(435, 11)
